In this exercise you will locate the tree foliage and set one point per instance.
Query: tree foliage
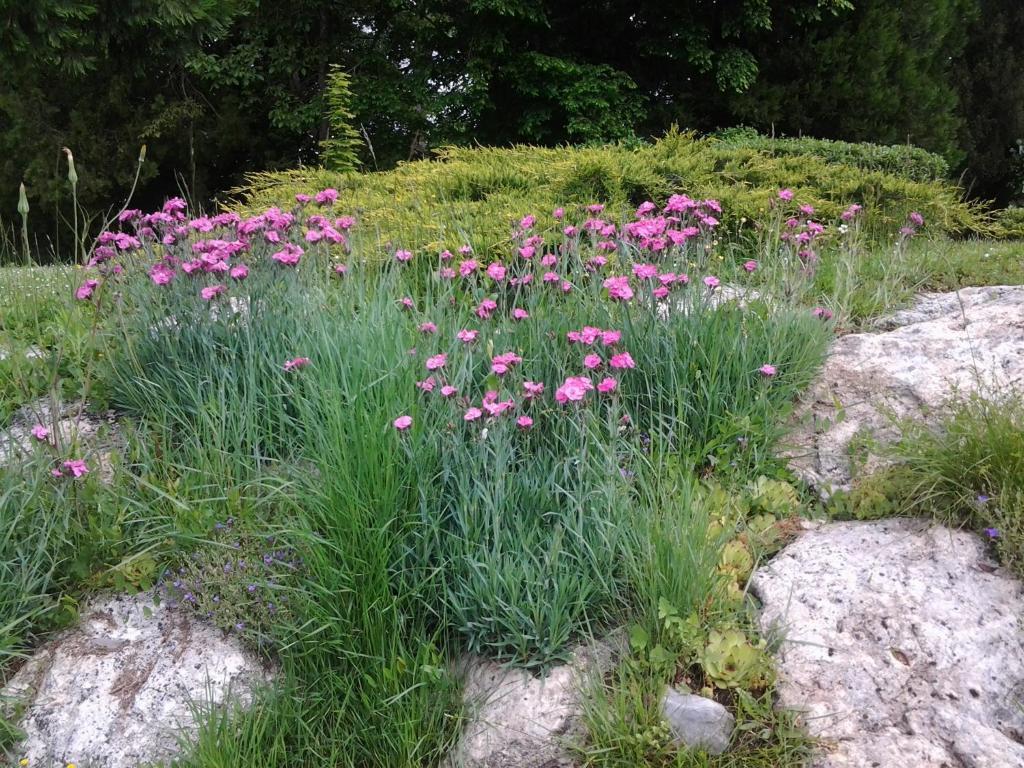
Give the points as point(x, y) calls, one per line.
point(220, 88)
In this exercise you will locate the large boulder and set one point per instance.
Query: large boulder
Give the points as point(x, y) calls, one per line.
point(120, 689)
point(908, 367)
point(902, 645)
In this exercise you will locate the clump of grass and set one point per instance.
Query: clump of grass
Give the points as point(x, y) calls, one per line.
point(967, 469)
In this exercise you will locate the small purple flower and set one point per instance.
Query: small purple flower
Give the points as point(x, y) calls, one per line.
point(992, 533)
point(982, 498)
point(251, 588)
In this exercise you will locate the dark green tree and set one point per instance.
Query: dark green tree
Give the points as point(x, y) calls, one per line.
point(883, 73)
point(990, 85)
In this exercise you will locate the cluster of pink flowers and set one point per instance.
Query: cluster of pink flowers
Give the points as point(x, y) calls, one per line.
point(604, 352)
point(216, 245)
point(74, 468)
point(914, 222)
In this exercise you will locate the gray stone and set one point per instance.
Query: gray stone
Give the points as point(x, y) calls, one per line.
point(97, 436)
point(964, 341)
point(697, 722)
point(518, 720)
point(118, 690)
point(901, 645)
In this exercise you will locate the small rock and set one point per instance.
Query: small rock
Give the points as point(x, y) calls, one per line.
point(902, 645)
point(697, 722)
point(117, 690)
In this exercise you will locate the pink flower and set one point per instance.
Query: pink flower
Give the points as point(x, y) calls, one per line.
point(607, 384)
point(767, 370)
point(618, 288)
point(533, 389)
point(467, 336)
point(622, 360)
point(566, 286)
point(302, 198)
point(645, 208)
point(786, 194)
point(527, 252)
point(427, 385)
point(340, 269)
point(486, 308)
point(712, 282)
point(402, 423)
point(327, 196)
point(524, 422)
point(519, 314)
point(403, 256)
point(40, 433)
point(161, 274)
point(56, 473)
point(595, 208)
point(573, 390)
point(468, 267)
point(289, 255)
point(558, 213)
point(850, 212)
point(645, 271)
point(551, 277)
point(448, 390)
point(437, 361)
point(447, 255)
point(295, 363)
point(592, 361)
point(472, 414)
point(239, 272)
point(213, 290)
point(750, 265)
point(548, 260)
point(821, 313)
point(807, 209)
point(608, 338)
point(85, 289)
point(407, 302)
point(496, 272)
point(527, 221)
point(428, 327)
point(76, 467)
point(446, 273)
point(570, 231)
point(916, 219)
point(660, 292)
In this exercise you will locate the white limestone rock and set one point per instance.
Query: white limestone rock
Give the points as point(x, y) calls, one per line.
point(902, 645)
point(119, 689)
point(909, 367)
point(518, 720)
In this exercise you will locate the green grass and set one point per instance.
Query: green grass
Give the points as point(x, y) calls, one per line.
point(44, 336)
point(965, 469)
point(645, 508)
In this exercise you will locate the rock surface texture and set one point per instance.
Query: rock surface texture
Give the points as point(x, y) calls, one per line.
point(69, 424)
point(517, 720)
point(902, 645)
point(697, 722)
point(947, 342)
point(117, 690)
